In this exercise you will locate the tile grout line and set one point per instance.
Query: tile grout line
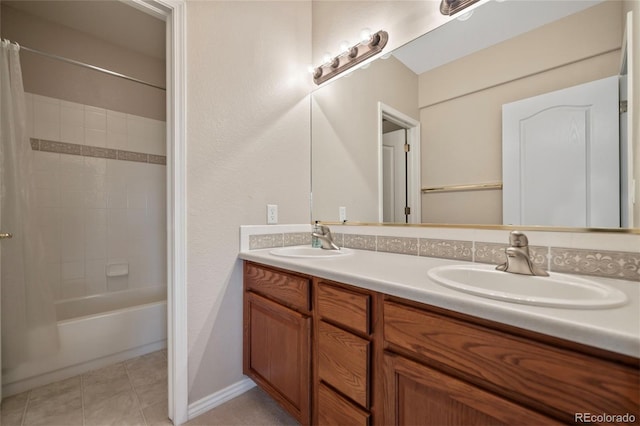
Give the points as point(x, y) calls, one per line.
point(84, 421)
point(135, 393)
point(24, 410)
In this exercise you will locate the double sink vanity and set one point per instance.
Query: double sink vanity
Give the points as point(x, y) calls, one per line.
point(363, 337)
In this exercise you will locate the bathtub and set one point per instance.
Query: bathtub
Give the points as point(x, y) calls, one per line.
point(96, 331)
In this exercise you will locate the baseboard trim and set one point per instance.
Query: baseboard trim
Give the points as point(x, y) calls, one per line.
point(212, 401)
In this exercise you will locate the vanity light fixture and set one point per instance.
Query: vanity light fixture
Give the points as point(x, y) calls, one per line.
point(450, 7)
point(350, 56)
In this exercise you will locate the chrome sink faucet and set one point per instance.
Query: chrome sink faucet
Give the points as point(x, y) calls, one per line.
point(518, 258)
point(323, 233)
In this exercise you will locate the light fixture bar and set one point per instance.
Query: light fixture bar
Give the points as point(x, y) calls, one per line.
point(351, 57)
point(451, 7)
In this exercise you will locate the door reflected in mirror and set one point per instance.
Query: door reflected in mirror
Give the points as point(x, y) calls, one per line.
point(453, 83)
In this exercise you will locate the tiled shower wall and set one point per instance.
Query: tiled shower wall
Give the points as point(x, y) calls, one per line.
point(93, 211)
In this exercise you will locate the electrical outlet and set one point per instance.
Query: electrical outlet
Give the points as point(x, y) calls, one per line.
point(272, 214)
point(342, 214)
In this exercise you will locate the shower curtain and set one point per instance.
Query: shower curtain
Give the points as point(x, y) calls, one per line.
point(29, 329)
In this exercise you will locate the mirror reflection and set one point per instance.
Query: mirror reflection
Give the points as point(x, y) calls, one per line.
point(484, 121)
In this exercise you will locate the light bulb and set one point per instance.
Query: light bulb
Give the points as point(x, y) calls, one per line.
point(465, 16)
point(327, 57)
point(310, 69)
point(344, 46)
point(365, 35)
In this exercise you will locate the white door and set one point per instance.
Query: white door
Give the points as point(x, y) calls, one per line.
point(394, 177)
point(560, 157)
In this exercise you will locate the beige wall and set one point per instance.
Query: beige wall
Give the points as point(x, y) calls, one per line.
point(247, 145)
point(345, 152)
point(461, 114)
point(56, 79)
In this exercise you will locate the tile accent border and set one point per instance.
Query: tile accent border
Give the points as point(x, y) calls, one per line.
point(361, 242)
point(446, 249)
point(401, 245)
point(262, 241)
point(599, 263)
point(95, 151)
point(608, 264)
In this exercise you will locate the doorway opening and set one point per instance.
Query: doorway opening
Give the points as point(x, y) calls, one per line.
point(398, 167)
point(169, 199)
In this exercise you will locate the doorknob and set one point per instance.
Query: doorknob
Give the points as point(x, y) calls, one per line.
point(5, 235)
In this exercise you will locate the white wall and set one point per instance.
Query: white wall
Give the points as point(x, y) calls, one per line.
point(97, 211)
point(247, 145)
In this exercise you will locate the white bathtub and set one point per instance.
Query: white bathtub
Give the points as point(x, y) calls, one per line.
point(96, 331)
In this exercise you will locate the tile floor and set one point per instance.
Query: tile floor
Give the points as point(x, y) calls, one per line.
point(133, 392)
point(252, 408)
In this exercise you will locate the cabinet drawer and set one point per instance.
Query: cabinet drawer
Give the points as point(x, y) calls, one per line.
point(343, 362)
point(529, 371)
point(335, 410)
point(344, 307)
point(291, 290)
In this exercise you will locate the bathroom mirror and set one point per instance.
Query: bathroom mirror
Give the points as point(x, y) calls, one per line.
point(443, 94)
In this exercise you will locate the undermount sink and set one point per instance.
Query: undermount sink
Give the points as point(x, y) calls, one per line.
point(556, 290)
point(309, 252)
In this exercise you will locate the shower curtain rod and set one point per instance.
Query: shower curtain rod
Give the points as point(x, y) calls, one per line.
point(93, 67)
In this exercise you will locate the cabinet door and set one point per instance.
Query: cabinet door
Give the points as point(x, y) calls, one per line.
point(418, 395)
point(277, 344)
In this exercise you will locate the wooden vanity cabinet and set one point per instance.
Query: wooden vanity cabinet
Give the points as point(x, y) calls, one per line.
point(445, 368)
point(277, 336)
point(364, 358)
point(343, 354)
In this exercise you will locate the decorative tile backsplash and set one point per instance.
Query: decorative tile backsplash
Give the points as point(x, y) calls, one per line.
point(361, 242)
point(296, 238)
point(446, 249)
point(494, 253)
point(601, 263)
point(402, 245)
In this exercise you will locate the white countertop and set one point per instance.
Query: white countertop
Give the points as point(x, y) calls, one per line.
point(613, 329)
